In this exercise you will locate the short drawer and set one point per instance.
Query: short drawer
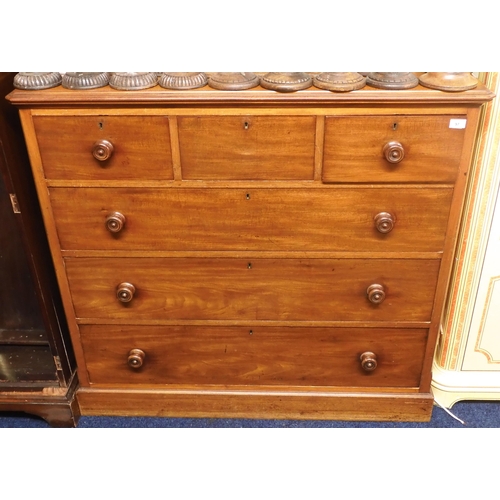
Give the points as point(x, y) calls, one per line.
point(418, 149)
point(253, 289)
point(247, 147)
point(324, 219)
point(105, 147)
point(232, 356)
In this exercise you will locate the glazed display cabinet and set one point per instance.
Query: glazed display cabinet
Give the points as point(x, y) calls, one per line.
point(37, 366)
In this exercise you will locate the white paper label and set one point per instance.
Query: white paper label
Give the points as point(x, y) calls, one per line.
point(458, 123)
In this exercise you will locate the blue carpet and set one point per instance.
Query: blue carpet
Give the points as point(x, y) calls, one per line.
point(187, 459)
point(474, 414)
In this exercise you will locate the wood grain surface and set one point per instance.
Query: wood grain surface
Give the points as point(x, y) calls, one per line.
point(247, 147)
point(252, 219)
point(255, 403)
point(353, 148)
point(256, 289)
point(141, 147)
point(264, 356)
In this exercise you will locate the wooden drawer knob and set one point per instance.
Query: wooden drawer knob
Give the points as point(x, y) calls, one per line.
point(384, 222)
point(375, 294)
point(368, 361)
point(115, 222)
point(102, 150)
point(136, 358)
point(394, 152)
point(125, 292)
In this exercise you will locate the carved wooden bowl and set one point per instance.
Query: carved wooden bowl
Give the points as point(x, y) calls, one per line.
point(132, 81)
point(233, 81)
point(83, 81)
point(37, 81)
point(392, 80)
point(449, 82)
point(339, 82)
point(286, 82)
point(182, 81)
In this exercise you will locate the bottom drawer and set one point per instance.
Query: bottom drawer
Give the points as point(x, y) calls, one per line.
point(297, 356)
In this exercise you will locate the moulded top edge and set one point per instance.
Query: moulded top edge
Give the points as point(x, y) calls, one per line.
point(60, 96)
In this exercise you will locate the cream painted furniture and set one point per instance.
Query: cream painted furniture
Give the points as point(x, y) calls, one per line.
point(467, 361)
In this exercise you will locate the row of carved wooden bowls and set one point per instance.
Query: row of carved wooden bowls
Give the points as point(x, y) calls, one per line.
point(280, 82)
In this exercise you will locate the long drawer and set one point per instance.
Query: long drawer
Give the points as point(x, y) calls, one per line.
point(258, 219)
point(256, 289)
point(241, 356)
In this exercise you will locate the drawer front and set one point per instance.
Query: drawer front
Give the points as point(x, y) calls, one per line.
point(263, 355)
point(325, 219)
point(247, 147)
point(421, 148)
point(140, 147)
point(255, 289)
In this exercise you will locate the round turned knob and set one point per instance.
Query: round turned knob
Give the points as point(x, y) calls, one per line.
point(394, 152)
point(115, 222)
point(376, 294)
point(136, 358)
point(102, 150)
point(368, 361)
point(125, 292)
point(384, 222)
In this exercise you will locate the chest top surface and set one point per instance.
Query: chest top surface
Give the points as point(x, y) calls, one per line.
point(206, 96)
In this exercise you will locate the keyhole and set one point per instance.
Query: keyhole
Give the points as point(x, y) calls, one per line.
point(246, 125)
point(100, 125)
point(248, 196)
point(249, 265)
point(250, 332)
point(394, 126)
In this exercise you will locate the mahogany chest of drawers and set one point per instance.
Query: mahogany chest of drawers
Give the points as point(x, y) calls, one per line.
point(252, 254)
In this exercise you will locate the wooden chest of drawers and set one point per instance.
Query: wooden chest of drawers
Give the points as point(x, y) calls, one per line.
point(252, 254)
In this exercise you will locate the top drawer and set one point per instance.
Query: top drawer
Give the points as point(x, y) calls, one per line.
point(247, 147)
point(393, 148)
point(105, 147)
